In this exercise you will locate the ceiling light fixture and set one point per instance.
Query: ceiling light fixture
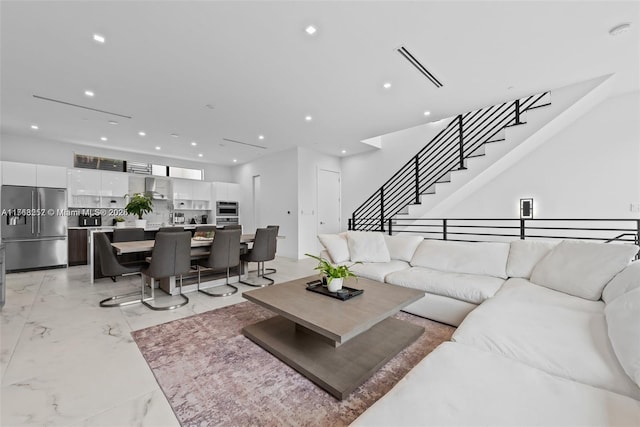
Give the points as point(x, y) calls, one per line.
point(141, 133)
point(99, 38)
point(344, 151)
point(89, 93)
point(427, 113)
point(158, 148)
point(103, 138)
point(235, 160)
point(620, 29)
point(387, 85)
point(308, 118)
point(34, 127)
point(311, 30)
point(175, 135)
point(260, 136)
point(200, 155)
point(194, 143)
point(112, 122)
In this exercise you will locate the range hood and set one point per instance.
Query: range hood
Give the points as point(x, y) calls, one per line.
point(157, 188)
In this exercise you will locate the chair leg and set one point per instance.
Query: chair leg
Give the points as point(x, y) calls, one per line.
point(262, 276)
point(105, 302)
point(212, 294)
point(170, 307)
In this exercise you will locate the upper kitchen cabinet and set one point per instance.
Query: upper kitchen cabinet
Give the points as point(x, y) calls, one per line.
point(225, 191)
point(190, 194)
point(84, 188)
point(182, 189)
point(32, 175)
point(114, 186)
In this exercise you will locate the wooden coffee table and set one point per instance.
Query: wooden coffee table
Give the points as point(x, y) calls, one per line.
point(336, 344)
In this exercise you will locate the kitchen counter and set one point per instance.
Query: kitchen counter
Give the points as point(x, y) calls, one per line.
point(151, 227)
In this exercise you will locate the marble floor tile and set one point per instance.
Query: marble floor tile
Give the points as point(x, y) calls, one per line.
point(66, 361)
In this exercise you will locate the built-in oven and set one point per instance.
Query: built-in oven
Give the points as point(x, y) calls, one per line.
point(226, 209)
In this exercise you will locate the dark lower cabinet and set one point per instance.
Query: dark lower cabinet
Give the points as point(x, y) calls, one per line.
point(77, 247)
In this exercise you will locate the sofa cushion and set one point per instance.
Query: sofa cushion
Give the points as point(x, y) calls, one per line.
point(623, 282)
point(582, 269)
point(465, 287)
point(367, 246)
point(484, 258)
point(524, 255)
point(548, 330)
point(379, 270)
point(336, 245)
point(402, 247)
point(623, 320)
point(457, 385)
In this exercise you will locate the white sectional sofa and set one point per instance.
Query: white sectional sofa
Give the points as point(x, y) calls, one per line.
point(549, 334)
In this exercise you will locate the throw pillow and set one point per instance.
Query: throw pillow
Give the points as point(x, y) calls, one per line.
point(626, 280)
point(524, 255)
point(623, 318)
point(336, 245)
point(367, 246)
point(582, 269)
point(402, 247)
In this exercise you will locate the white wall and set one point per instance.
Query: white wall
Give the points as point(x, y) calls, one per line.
point(589, 170)
point(279, 196)
point(309, 163)
point(365, 173)
point(17, 148)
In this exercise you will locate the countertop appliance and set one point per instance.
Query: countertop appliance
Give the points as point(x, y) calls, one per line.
point(90, 220)
point(178, 218)
point(226, 208)
point(34, 231)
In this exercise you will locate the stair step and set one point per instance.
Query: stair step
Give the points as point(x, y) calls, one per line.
point(538, 106)
point(475, 155)
point(516, 124)
point(496, 140)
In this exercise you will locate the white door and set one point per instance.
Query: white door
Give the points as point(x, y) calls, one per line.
point(257, 222)
point(328, 202)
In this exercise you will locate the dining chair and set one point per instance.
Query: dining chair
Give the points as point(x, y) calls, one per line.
point(264, 249)
point(274, 242)
point(111, 267)
point(128, 234)
point(170, 257)
point(175, 229)
point(225, 253)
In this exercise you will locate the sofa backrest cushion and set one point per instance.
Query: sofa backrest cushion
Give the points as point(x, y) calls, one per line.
point(524, 255)
point(623, 318)
point(402, 247)
point(625, 281)
point(336, 245)
point(582, 269)
point(367, 246)
point(485, 258)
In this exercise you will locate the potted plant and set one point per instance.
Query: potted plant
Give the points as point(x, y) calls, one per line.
point(119, 222)
point(335, 274)
point(139, 204)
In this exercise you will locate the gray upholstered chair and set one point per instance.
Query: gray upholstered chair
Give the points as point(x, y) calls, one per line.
point(111, 267)
point(274, 242)
point(171, 256)
point(176, 229)
point(264, 249)
point(225, 253)
point(128, 234)
point(233, 227)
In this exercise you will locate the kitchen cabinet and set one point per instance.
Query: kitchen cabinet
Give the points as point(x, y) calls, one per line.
point(84, 188)
point(190, 194)
point(77, 252)
point(225, 191)
point(32, 175)
point(182, 189)
point(114, 186)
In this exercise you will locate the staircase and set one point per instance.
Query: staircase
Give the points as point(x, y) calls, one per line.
point(465, 137)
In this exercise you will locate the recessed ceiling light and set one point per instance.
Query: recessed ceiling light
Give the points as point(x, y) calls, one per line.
point(308, 118)
point(99, 38)
point(34, 127)
point(158, 148)
point(200, 155)
point(103, 138)
point(387, 85)
point(260, 136)
point(175, 135)
point(344, 151)
point(194, 143)
point(141, 133)
point(619, 29)
point(89, 93)
point(235, 160)
point(113, 122)
point(427, 113)
point(311, 30)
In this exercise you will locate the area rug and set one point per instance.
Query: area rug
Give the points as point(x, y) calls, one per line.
point(212, 375)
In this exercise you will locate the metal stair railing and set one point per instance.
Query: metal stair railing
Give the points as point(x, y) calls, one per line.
point(463, 137)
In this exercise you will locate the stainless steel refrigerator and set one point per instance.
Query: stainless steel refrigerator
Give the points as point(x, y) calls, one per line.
point(34, 227)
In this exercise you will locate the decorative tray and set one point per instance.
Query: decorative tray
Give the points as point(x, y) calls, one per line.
point(203, 238)
point(343, 294)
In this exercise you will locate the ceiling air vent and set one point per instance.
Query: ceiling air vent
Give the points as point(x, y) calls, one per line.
point(423, 70)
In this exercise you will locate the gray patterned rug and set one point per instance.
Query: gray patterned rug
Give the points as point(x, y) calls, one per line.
point(213, 375)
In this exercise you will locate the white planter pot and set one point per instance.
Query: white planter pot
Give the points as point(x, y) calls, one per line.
point(141, 223)
point(335, 285)
point(120, 224)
